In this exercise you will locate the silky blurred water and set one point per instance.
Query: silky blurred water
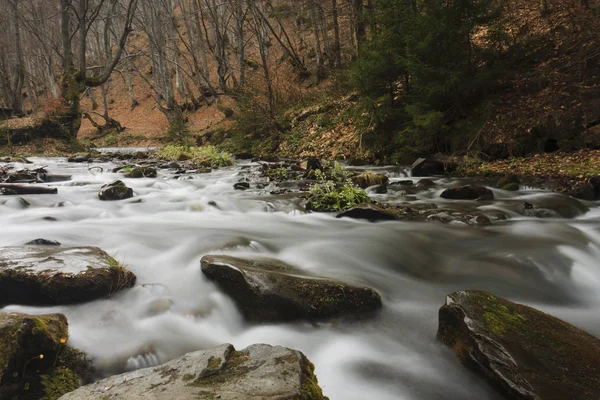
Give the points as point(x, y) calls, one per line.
point(550, 264)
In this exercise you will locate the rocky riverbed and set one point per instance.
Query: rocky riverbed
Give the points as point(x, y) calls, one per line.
point(356, 288)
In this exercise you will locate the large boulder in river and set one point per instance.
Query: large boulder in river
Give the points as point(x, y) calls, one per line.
point(257, 372)
point(468, 192)
point(523, 352)
point(270, 290)
point(29, 350)
point(115, 190)
point(48, 275)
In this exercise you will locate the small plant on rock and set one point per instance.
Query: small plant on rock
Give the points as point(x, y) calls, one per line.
point(332, 197)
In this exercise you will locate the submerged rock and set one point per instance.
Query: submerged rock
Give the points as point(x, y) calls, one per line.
point(241, 186)
point(270, 290)
point(48, 275)
point(509, 182)
point(115, 190)
point(468, 192)
point(256, 372)
point(30, 366)
point(523, 352)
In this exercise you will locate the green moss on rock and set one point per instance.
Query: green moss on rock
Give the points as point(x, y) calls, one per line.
point(523, 352)
point(58, 382)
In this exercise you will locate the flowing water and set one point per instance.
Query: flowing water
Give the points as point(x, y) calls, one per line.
point(551, 264)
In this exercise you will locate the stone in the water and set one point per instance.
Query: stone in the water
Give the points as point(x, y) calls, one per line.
point(115, 190)
point(523, 352)
point(468, 192)
point(49, 275)
point(29, 349)
point(141, 172)
point(425, 183)
point(42, 242)
point(368, 178)
point(584, 191)
point(257, 372)
point(270, 290)
point(509, 182)
point(241, 186)
point(370, 212)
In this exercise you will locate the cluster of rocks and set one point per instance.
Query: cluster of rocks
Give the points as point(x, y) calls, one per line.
point(35, 358)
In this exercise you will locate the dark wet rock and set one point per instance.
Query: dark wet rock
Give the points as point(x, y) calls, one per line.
point(259, 371)
point(42, 242)
point(406, 182)
point(141, 172)
point(430, 167)
point(368, 178)
point(313, 164)
point(425, 183)
point(80, 158)
point(241, 186)
point(595, 182)
point(243, 156)
point(370, 212)
point(584, 191)
point(267, 290)
point(54, 177)
point(468, 192)
point(116, 190)
point(173, 165)
point(49, 275)
point(523, 352)
point(380, 189)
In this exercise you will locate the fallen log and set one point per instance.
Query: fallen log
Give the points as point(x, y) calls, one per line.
point(13, 188)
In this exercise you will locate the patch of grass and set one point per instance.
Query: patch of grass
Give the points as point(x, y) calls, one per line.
point(331, 197)
point(206, 156)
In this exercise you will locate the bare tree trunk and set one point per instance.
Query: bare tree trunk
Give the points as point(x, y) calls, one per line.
point(19, 74)
point(337, 48)
point(92, 97)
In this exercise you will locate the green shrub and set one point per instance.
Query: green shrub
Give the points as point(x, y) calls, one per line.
point(206, 156)
point(331, 197)
point(277, 174)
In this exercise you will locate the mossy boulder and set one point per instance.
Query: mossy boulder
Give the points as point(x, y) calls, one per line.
point(468, 192)
point(523, 352)
point(116, 190)
point(141, 172)
point(269, 290)
point(509, 182)
point(368, 179)
point(256, 372)
point(49, 275)
point(30, 347)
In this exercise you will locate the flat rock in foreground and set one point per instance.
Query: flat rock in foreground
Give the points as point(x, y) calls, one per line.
point(270, 290)
point(523, 352)
point(257, 372)
point(49, 275)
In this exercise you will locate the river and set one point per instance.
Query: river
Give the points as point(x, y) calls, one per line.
point(551, 264)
